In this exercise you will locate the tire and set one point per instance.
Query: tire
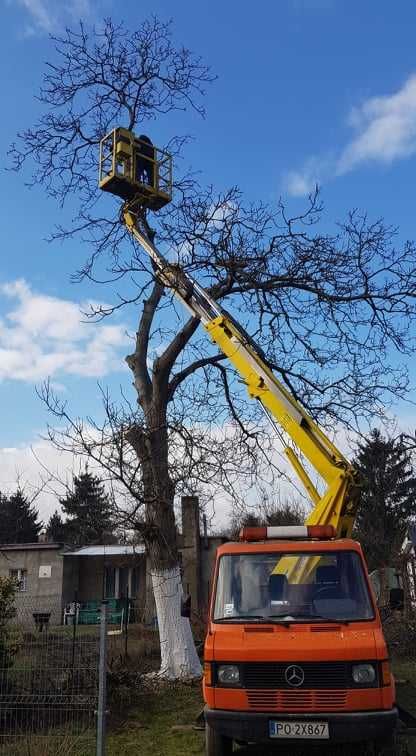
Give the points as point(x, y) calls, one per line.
point(216, 744)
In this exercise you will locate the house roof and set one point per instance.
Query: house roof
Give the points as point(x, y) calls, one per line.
point(110, 550)
point(39, 546)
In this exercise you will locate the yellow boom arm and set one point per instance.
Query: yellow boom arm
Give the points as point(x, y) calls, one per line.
point(337, 506)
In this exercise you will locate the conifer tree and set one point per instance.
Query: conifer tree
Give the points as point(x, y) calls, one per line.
point(388, 501)
point(56, 529)
point(88, 510)
point(8, 645)
point(18, 519)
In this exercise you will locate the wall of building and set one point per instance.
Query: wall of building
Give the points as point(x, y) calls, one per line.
point(91, 571)
point(72, 576)
point(70, 580)
point(208, 551)
point(91, 577)
point(44, 568)
point(141, 593)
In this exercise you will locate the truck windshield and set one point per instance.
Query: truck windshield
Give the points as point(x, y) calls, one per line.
point(292, 587)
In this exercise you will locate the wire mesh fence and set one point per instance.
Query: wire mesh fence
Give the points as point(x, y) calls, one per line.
point(49, 674)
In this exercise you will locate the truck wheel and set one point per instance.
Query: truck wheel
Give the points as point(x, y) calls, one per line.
point(216, 744)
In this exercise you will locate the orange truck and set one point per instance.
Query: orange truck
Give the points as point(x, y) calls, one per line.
point(295, 652)
point(295, 649)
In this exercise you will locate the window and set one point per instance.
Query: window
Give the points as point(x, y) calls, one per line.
point(134, 591)
point(20, 576)
point(301, 587)
point(123, 582)
point(110, 582)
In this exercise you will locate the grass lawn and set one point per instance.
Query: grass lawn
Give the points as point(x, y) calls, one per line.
point(405, 674)
point(147, 729)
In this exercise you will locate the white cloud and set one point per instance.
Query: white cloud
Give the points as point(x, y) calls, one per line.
point(43, 336)
point(385, 131)
point(41, 469)
point(31, 464)
point(48, 16)
point(23, 465)
point(301, 183)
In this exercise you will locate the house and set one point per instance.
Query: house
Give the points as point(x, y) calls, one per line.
point(396, 586)
point(53, 576)
point(44, 580)
point(408, 559)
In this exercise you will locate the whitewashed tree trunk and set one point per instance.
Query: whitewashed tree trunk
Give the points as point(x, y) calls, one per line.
point(150, 441)
point(179, 659)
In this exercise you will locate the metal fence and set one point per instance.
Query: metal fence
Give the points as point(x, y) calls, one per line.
point(49, 684)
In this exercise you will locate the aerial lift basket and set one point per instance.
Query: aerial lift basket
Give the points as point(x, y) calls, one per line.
point(135, 169)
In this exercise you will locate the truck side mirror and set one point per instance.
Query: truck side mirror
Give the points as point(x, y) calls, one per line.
point(396, 599)
point(186, 607)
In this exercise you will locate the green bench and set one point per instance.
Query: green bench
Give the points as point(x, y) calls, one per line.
point(89, 612)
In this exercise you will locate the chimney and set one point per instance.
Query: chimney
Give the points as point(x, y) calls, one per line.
point(191, 549)
point(190, 520)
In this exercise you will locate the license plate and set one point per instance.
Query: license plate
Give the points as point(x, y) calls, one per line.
point(297, 729)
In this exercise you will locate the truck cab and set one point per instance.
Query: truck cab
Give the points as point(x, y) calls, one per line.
point(294, 650)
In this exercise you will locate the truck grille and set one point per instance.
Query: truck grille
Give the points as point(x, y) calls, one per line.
point(317, 675)
point(297, 700)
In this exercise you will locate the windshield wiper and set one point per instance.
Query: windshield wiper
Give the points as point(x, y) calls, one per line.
point(340, 620)
point(242, 617)
point(282, 619)
point(260, 618)
point(293, 617)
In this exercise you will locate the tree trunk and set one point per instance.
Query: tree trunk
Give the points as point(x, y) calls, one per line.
point(179, 659)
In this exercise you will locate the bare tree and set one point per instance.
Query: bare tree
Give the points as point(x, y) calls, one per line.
point(265, 513)
point(328, 309)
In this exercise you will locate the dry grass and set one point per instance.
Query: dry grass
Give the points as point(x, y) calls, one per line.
point(50, 745)
point(144, 713)
point(147, 728)
point(400, 635)
point(142, 643)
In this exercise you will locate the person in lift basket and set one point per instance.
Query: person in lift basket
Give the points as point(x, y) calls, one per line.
point(145, 161)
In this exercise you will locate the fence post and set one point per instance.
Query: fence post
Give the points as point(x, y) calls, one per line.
point(74, 631)
point(102, 681)
point(126, 624)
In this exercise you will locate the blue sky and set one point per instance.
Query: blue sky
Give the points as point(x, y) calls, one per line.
point(307, 90)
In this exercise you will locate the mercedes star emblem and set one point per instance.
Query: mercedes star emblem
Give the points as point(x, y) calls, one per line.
point(294, 676)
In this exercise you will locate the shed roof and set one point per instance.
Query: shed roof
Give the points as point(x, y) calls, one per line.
point(38, 546)
point(107, 550)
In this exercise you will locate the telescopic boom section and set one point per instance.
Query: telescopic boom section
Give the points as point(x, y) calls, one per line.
point(338, 504)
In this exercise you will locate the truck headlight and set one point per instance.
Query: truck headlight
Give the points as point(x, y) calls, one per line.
point(228, 674)
point(363, 674)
